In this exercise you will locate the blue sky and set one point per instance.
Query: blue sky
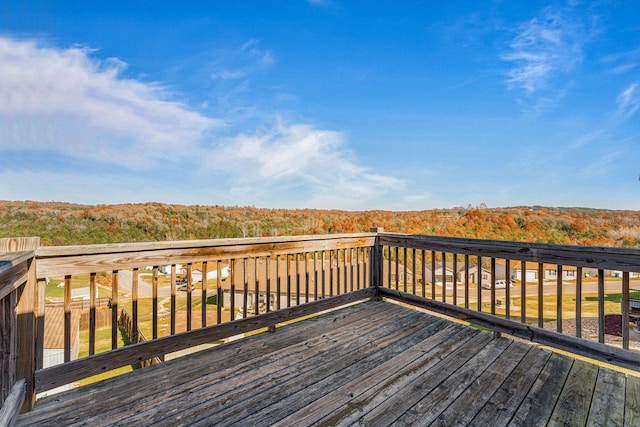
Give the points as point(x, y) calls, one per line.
point(330, 104)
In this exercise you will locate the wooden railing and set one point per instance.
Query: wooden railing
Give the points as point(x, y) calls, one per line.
point(263, 281)
point(543, 293)
point(215, 289)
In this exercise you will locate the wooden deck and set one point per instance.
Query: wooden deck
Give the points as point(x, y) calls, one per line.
point(374, 363)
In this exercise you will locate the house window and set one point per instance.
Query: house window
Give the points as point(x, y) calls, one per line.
point(551, 272)
point(570, 273)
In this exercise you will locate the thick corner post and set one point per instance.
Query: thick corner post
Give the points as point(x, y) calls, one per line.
point(25, 312)
point(376, 263)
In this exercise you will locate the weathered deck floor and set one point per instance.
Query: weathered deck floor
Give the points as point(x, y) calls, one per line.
point(373, 363)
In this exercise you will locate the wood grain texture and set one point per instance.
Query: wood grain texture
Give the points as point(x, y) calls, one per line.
point(599, 351)
point(583, 256)
point(55, 376)
point(61, 260)
point(374, 363)
point(573, 404)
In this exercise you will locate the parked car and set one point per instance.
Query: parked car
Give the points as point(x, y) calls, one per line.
point(500, 284)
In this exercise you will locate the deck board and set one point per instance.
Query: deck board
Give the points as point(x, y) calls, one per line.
point(374, 363)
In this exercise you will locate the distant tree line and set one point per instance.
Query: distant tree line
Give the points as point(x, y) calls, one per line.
point(71, 224)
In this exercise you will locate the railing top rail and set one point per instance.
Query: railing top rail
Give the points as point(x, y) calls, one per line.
point(13, 270)
point(623, 259)
point(54, 251)
point(64, 260)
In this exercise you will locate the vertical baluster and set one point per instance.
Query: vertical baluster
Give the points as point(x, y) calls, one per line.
point(92, 313)
point(493, 285)
point(172, 326)
point(338, 272)
point(507, 288)
point(389, 268)
point(455, 279)
point(189, 297)
point(405, 265)
point(245, 287)
point(134, 306)
point(579, 302)
point(203, 294)
point(277, 282)
point(397, 281)
point(220, 293)
point(351, 269)
point(414, 271)
point(267, 274)
point(540, 295)
point(433, 274)
point(601, 305)
point(559, 299)
point(256, 284)
point(330, 272)
point(345, 265)
point(523, 291)
point(466, 281)
point(323, 274)
point(67, 319)
point(305, 257)
point(358, 267)
point(154, 302)
point(625, 310)
point(424, 273)
point(444, 277)
point(479, 283)
point(114, 309)
point(298, 291)
point(288, 280)
point(232, 289)
point(366, 253)
point(315, 275)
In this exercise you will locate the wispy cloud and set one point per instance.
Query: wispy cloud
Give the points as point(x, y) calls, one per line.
point(628, 102)
point(545, 47)
point(93, 136)
point(623, 62)
point(299, 156)
point(64, 100)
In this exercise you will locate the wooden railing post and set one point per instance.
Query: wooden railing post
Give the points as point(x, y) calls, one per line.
point(25, 318)
point(376, 262)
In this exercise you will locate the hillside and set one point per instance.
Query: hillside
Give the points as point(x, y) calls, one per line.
point(68, 224)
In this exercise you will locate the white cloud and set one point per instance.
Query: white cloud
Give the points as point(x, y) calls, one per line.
point(77, 130)
point(544, 47)
point(628, 102)
point(310, 163)
point(64, 100)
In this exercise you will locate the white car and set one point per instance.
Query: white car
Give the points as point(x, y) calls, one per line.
point(500, 284)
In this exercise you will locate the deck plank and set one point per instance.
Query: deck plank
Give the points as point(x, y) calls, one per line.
point(632, 408)
point(358, 398)
point(374, 363)
point(540, 401)
point(462, 410)
point(501, 406)
point(574, 402)
point(607, 408)
point(303, 389)
point(423, 400)
point(146, 382)
point(236, 387)
point(276, 407)
point(227, 379)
